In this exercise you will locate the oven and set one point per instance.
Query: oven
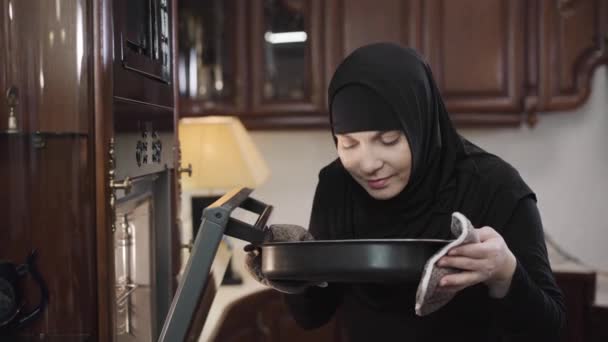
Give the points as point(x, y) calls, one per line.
point(143, 229)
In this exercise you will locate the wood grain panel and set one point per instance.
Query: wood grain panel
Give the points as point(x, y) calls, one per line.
point(132, 84)
point(49, 207)
point(48, 59)
point(370, 21)
point(236, 42)
point(571, 38)
point(263, 316)
point(579, 294)
point(102, 129)
point(312, 102)
point(475, 49)
point(4, 20)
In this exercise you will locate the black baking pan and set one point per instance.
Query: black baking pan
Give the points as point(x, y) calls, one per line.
point(370, 260)
point(382, 260)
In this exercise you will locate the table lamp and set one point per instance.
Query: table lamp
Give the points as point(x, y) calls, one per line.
point(221, 156)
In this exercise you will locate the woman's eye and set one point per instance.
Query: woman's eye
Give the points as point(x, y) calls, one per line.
point(390, 141)
point(348, 145)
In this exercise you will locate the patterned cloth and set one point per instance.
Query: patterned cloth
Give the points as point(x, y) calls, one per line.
point(429, 297)
point(278, 233)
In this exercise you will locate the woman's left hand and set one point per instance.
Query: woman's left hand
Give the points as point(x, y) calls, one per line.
point(489, 261)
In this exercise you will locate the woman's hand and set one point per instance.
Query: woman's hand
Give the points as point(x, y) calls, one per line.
point(490, 261)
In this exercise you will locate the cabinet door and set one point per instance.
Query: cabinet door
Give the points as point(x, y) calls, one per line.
point(287, 60)
point(143, 33)
point(571, 40)
point(475, 49)
point(355, 23)
point(212, 57)
point(46, 63)
point(142, 57)
point(48, 204)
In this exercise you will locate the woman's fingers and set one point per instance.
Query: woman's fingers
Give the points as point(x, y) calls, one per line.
point(486, 233)
point(462, 279)
point(472, 250)
point(462, 263)
point(484, 261)
point(450, 289)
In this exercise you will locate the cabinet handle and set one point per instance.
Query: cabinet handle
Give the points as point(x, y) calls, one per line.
point(12, 99)
point(566, 7)
point(187, 170)
point(125, 185)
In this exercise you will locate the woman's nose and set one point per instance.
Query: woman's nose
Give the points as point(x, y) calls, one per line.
point(370, 164)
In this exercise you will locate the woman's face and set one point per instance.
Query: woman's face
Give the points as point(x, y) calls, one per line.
point(380, 161)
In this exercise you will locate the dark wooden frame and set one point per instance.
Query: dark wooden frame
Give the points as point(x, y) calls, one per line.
point(195, 107)
point(103, 127)
point(314, 65)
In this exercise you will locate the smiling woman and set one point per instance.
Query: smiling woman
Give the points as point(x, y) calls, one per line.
point(402, 171)
point(380, 161)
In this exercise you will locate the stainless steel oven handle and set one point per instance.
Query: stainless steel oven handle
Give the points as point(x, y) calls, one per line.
point(130, 288)
point(125, 185)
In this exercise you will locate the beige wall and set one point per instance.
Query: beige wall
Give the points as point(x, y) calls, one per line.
point(564, 159)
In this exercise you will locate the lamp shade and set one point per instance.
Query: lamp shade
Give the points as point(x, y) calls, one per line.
point(222, 154)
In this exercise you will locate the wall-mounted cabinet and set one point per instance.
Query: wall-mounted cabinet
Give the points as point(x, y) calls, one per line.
point(44, 67)
point(286, 56)
point(567, 42)
point(262, 60)
point(212, 57)
point(142, 51)
point(476, 51)
point(73, 74)
point(497, 62)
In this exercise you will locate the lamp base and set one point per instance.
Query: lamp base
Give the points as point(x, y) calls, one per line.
point(231, 277)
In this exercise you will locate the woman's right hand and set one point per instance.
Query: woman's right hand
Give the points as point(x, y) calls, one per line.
point(253, 259)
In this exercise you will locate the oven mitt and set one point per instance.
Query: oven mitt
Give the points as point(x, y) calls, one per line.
point(278, 233)
point(429, 297)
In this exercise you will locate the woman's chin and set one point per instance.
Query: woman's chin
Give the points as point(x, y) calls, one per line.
point(383, 193)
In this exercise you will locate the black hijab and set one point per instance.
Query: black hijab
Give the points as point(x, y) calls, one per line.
point(448, 172)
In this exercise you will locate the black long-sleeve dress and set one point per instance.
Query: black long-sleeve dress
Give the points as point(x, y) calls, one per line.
point(532, 310)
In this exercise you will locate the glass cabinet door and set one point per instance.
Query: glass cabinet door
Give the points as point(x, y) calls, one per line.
point(212, 56)
point(144, 38)
point(287, 57)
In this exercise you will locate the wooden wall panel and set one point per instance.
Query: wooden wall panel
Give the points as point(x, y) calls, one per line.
point(367, 21)
point(475, 49)
point(48, 206)
point(571, 46)
point(47, 58)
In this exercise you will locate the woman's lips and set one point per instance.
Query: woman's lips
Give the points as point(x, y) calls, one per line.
point(378, 183)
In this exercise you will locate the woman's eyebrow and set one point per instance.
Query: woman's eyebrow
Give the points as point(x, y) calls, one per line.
point(345, 136)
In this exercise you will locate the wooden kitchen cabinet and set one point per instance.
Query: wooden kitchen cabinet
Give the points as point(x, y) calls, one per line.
point(568, 41)
point(76, 116)
point(476, 51)
point(286, 56)
point(43, 68)
point(212, 56)
point(261, 60)
point(142, 52)
point(475, 48)
point(496, 62)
